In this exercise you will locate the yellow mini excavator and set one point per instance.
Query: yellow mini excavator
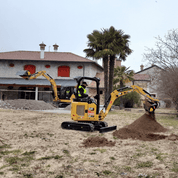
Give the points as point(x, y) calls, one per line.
point(57, 98)
point(86, 114)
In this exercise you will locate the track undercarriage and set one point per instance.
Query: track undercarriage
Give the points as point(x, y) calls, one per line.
point(89, 126)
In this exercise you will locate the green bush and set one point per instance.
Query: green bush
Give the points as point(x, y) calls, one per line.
point(129, 100)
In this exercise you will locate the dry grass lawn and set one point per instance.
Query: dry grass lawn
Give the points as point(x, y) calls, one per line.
point(33, 145)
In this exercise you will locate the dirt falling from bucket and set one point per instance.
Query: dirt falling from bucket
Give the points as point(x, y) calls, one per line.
point(142, 129)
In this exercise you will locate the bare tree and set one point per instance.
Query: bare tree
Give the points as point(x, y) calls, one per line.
point(165, 55)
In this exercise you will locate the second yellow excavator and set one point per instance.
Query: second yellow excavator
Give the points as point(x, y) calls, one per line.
point(56, 98)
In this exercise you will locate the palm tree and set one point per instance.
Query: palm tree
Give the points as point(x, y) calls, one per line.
point(118, 42)
point(108, 42)
point(97, 50)
point(122, 75)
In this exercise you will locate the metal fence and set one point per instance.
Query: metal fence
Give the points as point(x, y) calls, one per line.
point(25, 94)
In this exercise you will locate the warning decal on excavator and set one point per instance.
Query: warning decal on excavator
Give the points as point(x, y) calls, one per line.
point(91, 113)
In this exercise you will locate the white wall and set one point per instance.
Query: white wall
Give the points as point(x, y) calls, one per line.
point(89, 69)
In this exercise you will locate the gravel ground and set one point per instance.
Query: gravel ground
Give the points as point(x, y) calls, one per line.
point(26, 105)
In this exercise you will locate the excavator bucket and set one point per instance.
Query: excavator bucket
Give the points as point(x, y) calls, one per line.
point(24, 74)
point(150, 108)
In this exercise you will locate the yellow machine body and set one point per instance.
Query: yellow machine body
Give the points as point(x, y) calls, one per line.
point(82, 111)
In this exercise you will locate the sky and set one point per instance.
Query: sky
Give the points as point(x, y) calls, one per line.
point(24, 24)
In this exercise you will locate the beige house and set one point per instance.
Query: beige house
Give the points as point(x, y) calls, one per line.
point(145, 79)
point(61, 66)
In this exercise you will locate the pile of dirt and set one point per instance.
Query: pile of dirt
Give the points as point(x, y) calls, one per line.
point(98, 142)
point(142, 129)
point(24, 104)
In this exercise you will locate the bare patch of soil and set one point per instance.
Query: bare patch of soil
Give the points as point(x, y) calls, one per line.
point(142, 129)
point(98, 142)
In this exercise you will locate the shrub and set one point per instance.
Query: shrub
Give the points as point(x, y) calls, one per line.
point(129, 100)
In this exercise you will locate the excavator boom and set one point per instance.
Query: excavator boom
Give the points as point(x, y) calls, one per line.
point(153, 103)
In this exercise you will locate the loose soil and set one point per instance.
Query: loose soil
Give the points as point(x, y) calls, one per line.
point(143, 129)
point(97, 142)
point(24, 104)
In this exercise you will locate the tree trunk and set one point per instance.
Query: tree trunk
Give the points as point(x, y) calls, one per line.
point(111, 73)
point(105, 65)
point(121, 98)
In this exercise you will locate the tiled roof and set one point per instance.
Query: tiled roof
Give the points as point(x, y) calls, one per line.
point(49, 56)
point(148, 68)
point(141, 77)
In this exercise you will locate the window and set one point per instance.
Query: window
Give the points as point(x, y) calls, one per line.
point(30, 68)
point(79, 67)
point(63, 71)
point(153, 95)
point(47, 66)
point(11, 65)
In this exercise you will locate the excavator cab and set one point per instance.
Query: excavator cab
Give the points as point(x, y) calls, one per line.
point(86, 108)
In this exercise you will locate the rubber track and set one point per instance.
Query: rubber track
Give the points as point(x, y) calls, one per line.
point(78, 126)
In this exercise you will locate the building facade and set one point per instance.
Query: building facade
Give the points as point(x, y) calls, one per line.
point(61, 66)
point(145, 79)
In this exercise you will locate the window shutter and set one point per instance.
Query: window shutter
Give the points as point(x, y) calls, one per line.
point(63, 71)
point(31, 68)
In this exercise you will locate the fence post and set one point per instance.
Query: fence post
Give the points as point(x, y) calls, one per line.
point(36, 93)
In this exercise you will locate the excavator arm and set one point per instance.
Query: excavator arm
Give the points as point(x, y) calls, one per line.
point(28, 76)
point(150, 103)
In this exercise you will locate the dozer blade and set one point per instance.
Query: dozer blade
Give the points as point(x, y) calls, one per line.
point(107, 129)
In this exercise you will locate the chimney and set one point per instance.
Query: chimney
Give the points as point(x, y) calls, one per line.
point(141, 67)
point(55, 47)
point(42, 48)
point(117, 62)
